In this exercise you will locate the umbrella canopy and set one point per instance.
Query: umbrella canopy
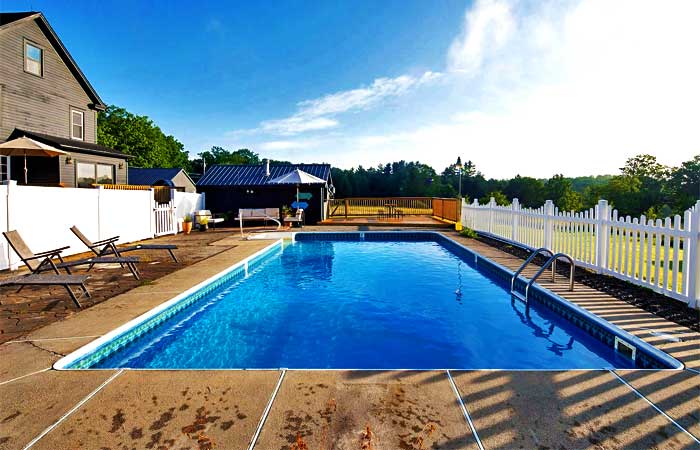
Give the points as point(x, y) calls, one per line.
point(24, 146)
point(297, 176)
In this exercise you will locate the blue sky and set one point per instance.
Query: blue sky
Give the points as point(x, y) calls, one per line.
point(516, 87)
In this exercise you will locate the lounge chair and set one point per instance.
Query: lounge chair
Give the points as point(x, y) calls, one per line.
point(46, 279)
point(108, 246)
point(40, 262)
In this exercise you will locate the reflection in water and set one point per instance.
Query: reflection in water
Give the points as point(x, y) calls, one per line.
point(316, 260)
point(539, 332)
point(458, 292)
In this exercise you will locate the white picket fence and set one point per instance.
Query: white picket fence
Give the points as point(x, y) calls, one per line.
point(663, 255)
point(164, 218)
point(44, 215)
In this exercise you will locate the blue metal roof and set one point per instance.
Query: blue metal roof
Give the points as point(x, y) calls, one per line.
point(254, 175)
point(149, 177)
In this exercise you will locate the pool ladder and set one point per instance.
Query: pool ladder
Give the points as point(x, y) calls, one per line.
point(552, 261)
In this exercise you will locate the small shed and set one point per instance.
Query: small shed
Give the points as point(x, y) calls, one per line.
point(231, 187)
point(176, 178)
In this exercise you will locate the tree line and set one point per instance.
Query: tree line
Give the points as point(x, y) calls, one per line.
point(643, 186)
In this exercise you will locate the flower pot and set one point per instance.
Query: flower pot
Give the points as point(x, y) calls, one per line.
point(187, 227)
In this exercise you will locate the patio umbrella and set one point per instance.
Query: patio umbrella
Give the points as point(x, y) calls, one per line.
point(297, 177)
point(24, 146)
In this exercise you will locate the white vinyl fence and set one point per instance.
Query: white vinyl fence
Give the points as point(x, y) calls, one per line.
point(663, 255)
point(44, 215)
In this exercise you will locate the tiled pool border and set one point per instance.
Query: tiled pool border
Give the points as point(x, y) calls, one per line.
point(88, 355)
point(648, 357)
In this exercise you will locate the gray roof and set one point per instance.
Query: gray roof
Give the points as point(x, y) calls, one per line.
point(152, 176)
point(69, 145)
point(254, 175)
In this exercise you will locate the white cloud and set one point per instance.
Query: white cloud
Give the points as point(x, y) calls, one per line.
point(296, 125)
point(535, 88)
point(573, 87)
point(488, 27)
point(288, 144)
point(318, 114)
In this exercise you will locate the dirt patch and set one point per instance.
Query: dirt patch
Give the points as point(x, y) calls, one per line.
point(36, 307)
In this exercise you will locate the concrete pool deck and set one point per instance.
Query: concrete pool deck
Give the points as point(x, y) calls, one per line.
point(382, 410)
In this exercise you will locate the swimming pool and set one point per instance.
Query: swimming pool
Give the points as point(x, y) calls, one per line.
point(373, 300)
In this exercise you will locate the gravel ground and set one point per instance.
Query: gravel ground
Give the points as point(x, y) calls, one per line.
point(646, 299)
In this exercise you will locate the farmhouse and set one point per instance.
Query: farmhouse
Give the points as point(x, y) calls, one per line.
point(46, 97)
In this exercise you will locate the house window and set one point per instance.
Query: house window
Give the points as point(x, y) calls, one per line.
point(77, 122)
point(33, 59)
point(87, 174)
point(105, 174)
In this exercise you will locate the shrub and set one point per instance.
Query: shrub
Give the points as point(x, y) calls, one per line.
point(468, 233)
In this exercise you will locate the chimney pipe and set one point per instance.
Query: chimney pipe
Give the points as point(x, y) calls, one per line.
point(267, 167)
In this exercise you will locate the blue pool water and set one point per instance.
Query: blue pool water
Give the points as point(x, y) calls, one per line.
point(365, 305)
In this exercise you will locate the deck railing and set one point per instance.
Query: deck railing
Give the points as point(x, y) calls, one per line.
point(358, 207)
point(443, 208)
point(447, 208)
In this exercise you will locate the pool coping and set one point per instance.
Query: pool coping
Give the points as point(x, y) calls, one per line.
point(66, 361)
point(84, 351)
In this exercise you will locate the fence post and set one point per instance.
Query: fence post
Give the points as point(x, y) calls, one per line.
point(602, 235)
point(492, 206)
point(173, 212)
point(152, 212)
point(514, 207)
point(12, 260)
point(100, 189)
point(346, 209)
point(548, 223)
point(694, 258)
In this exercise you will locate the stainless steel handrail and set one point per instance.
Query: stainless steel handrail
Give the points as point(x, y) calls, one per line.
point(527, 261)
point(553, 262)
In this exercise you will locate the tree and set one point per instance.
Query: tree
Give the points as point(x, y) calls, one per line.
point(529, 191)
point(498, 196)
point(138, 136)
point(559, 190)
point(684, 184)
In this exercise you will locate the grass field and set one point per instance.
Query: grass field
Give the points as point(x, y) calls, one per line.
point(634, 262)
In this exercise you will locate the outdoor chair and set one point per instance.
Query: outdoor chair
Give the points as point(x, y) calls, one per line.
point(297, 219)
point(43, 261)
point(108, 246)
point(46, 279)
point(212, 219)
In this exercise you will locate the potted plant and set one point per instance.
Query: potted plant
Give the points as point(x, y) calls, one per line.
point(203, 223)
point(286, 212)
point(187, 224)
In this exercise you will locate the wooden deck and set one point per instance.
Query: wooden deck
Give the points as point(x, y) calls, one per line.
point(406, 221)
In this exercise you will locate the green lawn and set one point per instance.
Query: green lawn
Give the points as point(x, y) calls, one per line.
point(578, 242)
